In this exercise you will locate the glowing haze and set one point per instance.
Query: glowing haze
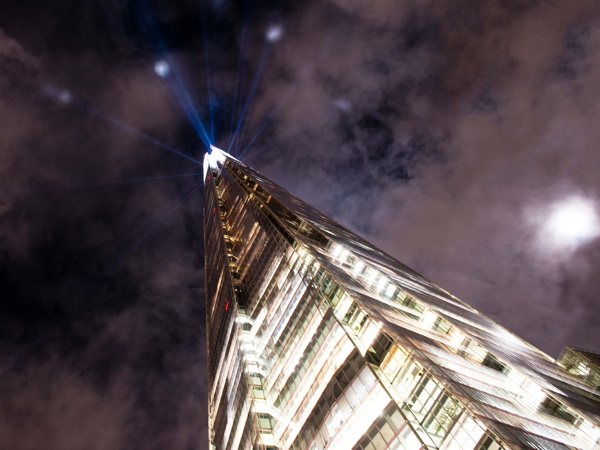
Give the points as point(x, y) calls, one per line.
point(162, 68)
point(569, 223)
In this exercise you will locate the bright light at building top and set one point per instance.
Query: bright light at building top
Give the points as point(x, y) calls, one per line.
point(214, 158)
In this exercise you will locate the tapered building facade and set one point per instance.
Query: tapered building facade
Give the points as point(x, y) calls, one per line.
point(317, 339)
point(584, 364)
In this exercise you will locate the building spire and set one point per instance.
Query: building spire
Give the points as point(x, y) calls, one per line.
point(213, 158)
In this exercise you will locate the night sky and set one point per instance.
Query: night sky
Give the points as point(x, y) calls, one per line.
point(459, 136)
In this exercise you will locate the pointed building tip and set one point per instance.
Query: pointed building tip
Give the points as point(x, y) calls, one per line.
point(215, 157)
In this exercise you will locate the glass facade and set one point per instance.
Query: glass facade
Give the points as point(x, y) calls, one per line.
point(584, 364)
point(317, 339)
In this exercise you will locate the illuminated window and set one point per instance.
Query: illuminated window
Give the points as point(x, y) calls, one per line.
point(265, 422)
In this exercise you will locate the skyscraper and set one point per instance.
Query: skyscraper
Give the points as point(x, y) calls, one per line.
point(584, 364)
point(317, 339)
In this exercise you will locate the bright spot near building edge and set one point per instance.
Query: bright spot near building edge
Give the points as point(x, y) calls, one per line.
point(274, 33)
point(571, 222)
point(162, 68)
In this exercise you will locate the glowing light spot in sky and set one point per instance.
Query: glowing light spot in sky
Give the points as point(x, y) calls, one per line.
point(162, 68)
point(342, 104)
point(274, 33)
point(571, 222)
point(62, 95)
point(65, 96)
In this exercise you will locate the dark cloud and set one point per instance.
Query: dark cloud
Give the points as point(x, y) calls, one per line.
point(439, 130)
point(473, 127)
point(101, 314)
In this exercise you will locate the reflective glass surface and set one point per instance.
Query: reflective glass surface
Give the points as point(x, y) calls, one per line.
point(317, 339)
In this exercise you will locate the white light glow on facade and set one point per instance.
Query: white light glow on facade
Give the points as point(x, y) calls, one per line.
point(428, 319)
point(336, 250)
point(368, 335)
point(358, 268)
